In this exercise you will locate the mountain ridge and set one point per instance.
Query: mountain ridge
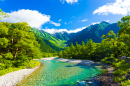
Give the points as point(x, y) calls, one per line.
point(60, 39)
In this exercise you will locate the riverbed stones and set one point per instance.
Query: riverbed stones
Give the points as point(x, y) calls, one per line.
point(11, 79)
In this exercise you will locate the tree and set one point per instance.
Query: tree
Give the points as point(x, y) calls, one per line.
point(110, 37)
point(3, 14)
point(60, 54)
point(124, 32)
point(17, 44)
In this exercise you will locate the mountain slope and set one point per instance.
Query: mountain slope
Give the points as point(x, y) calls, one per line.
point(94, 32)
point(48, 43)
point(43, 34)
point(64, 35)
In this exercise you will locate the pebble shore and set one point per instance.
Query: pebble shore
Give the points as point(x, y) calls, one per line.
point(11, 79)
point(75, 61)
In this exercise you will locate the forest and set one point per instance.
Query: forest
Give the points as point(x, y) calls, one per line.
point(109, 51)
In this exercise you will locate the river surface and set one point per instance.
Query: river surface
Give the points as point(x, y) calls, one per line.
point(57, 73)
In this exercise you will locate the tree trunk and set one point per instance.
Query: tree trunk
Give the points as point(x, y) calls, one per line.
point(15, 55)
point(12, 44)
point(12, 39)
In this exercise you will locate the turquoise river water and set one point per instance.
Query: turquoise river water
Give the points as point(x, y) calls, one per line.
point(57, 73)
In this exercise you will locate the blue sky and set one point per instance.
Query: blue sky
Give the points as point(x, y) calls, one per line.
point(64, 15)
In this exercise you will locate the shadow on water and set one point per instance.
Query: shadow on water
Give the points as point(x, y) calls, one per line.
point(82, 65)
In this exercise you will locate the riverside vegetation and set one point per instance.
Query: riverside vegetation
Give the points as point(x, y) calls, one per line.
point(18, 46)
point(109, 51)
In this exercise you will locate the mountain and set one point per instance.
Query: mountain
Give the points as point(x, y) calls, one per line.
point(64, 35)
point(93, 32)
point(57, 41)
point(43, 34)
point(48, 43)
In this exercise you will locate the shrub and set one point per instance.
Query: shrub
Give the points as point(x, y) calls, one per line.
point(125, 83)
point(33, 63)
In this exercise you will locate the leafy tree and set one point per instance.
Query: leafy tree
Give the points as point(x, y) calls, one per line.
point(3, 14)
point(124, 31)
point(17, 44)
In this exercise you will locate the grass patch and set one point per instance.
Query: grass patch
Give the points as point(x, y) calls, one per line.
point(31, 64)
point(10, 69)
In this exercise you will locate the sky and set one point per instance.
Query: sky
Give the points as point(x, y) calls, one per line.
point(64, 15)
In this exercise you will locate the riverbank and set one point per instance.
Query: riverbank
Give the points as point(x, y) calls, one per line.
point(75, 61)
point(11, 79)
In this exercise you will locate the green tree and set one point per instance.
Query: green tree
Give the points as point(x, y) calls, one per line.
point(17, 44)
point(60, 54)
point(90, 48)
point(3, 14)
point(124, 31)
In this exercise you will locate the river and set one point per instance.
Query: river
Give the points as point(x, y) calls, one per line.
point(57, 73)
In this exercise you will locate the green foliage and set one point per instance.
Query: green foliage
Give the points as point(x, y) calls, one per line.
point(3, 42)
point(89, 51)
point(10, 69)
point(120, 72)
point(119, 79)
point(109, 60)
point(124, 32)
point(125, 83)
point(18, 45)
point(48, 43)
point(32, 64)
point(3, 14)
point(49, 54)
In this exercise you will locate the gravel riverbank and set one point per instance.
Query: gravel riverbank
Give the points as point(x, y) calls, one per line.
point(75, 61)
point(11, 79)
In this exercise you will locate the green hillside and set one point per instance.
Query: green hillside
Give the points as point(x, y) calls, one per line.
point(94, 32)
point(48, 43)
point(64, 35)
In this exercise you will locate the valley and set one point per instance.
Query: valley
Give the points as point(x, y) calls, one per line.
point(65, 43)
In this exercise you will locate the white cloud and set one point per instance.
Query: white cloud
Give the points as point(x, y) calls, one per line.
point(98, 22)
point(119, 7)
point(69, 1)
point(59, 20)
point(56, 24)
point(32, 17)
point(52, 31)
point(65, 23)
point(107, 20)
point(84, 20)
point(95, 23)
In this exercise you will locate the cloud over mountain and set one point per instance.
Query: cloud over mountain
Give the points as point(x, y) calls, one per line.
point(52, 31)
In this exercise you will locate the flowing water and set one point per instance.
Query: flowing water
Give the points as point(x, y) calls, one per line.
point(57, 73)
